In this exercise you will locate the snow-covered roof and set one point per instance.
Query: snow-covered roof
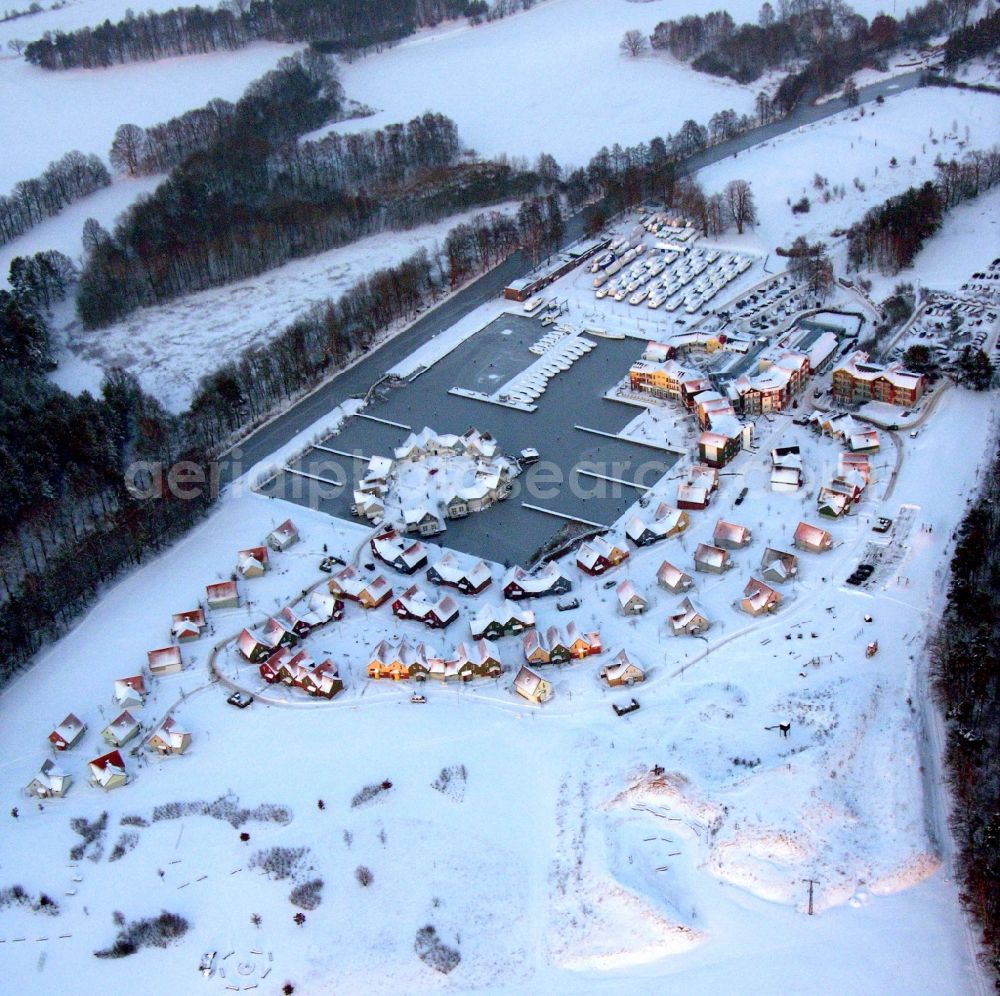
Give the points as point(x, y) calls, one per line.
point(105, 767)
point(730, 532)
point(626, 593)
point(527, 682)
point(709, 555)
point(811, 535)
point(672, 576)
point(760, 596)
point(451, 572)
point(687, 612)
point(619, 665)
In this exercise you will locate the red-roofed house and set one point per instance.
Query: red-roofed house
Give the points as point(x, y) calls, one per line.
point(283, 536)
point(68, 733)
point(222, 595)
point(108, 771)
point(166, 660)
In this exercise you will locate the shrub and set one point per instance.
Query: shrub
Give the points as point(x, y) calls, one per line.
point(126, 843)
point(279, 862)
point(155, 932)
point(801, 206)
point(364, 876)
point(307, 894)
point(433, 952)
point(369, 792)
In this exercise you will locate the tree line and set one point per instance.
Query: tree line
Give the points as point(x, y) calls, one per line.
point(974, 40)
point(832, 39)
point(226, 215)
point(891, 234)
point(68, 524)
point(966, 680)
point(66, 180)
point(334, 26)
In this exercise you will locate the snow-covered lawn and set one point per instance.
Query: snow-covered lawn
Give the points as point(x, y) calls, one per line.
point(171, 346)
point(46, 114)
point(919, 124)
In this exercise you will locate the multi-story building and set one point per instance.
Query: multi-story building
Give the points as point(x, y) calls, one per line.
point(856, 381)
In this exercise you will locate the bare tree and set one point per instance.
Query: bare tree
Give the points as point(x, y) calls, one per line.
point(634, 42)
point(741, 205)
point(17, 45)
point(127, 148)
point(363, 875)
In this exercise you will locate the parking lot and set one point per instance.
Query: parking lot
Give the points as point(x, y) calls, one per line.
point(508, 532)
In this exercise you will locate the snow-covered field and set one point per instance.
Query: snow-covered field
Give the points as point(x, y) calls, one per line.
point(64, 231)
point(918, 125)
point(170, 347)
point(548, 80)
point(45, 114)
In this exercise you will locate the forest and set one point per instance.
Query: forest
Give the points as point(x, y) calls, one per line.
point(245, 197)
point(32, 201)
point(341, 26)
point(891, 234)
point(829, 38)
point(965, 660)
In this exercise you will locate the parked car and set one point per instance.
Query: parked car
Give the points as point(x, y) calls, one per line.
point(568, 605)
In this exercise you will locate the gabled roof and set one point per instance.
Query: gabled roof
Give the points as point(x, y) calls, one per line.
point(220, 590)
point(105, 767)
point(687, 612)
point(669, 575)
point(626, 593)
point(163, 657)
point(759, 595)
point(503, 613)
point(811, 535)
point(451, 572)
point(69, 728)
point(730, 532)
point(527, 682)
point(619, 665)
point(713, 556)
point(285, 531)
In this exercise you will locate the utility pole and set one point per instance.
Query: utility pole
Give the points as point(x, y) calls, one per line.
point(811, 882)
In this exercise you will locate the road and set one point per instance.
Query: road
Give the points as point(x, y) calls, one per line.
point(356, 380)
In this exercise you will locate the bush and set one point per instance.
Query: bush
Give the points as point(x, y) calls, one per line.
point(801, 206)
point(92, 834)
point(155, 932)
point(370, 792)
point(307, 895)
point(364, 876)
point(126, 843)
point(279, 862)
point(433, 952)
